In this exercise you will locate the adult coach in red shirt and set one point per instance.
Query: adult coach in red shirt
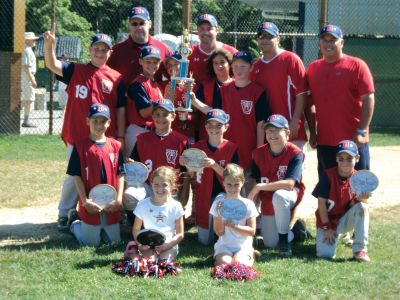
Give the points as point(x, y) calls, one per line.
point(88, 84)
point(207, 29)
point(283, 76)
point(125, 55)
point(342, 91)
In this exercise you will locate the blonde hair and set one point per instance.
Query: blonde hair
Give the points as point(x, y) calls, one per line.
point(235, 171)
point(168, 173)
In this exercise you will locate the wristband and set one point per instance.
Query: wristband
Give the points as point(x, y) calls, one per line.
point(326, 226)
point(362, 132)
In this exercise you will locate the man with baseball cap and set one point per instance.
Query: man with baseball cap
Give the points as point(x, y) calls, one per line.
point(286, 89)
point(88, 84)
point(125, 55)
point(207, 30)
point(342, 93)
point(340, 210)
point(28, 81)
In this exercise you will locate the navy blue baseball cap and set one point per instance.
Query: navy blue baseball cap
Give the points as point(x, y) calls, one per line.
point(278, 121)
point(99, 109)
point(139, 12)
point(207, 18)
point(175, 55)
point(243, 55)
point(218, 115)
point(269, 27)
point(167, 104)
point(150, 51)
point(101, 38)
point(332, 30)
point(347, 146)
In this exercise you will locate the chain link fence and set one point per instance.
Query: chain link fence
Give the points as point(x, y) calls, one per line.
point(370, 26)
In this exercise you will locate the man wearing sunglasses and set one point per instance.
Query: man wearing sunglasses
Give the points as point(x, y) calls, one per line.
point(282, 74)
point(125, 55)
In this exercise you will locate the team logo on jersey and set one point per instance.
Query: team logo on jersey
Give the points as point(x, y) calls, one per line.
point(281, 172)
point(247, 106)
point(222, 163)
point(196, 59)
point(106, 86)
point(171, 155)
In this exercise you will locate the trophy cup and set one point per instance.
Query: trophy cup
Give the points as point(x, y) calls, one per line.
point(185, 51)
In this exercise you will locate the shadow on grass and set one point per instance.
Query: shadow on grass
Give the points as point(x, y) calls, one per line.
point(34, 237)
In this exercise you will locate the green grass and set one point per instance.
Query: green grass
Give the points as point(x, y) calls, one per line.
point(385, 137)
point(57, 268)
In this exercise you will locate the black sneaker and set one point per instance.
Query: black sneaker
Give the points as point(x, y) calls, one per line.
point(285, 251)
point(62, 224)
point(72, 216)
point(300, 232)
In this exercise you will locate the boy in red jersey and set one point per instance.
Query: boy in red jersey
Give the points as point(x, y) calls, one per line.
point(220, 152)
point(277, 167)
point(97, 160)
point(247, 105)
point(87, 84)
point(142, 92)
point(339, 210)
point(163, 146)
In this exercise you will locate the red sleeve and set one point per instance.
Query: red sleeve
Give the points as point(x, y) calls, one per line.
point(297, 73)
point(365, 82)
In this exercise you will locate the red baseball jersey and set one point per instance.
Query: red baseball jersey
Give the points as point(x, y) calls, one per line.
point(198, 61)
point(336, 90)
point(153, 91)
point(240, 104)
point(283, 78)
point(223, 156)
point(340, 194)
point(125, 57)
point(155, 151)
point(273, 168)
point(89, 85)
point(92, 158)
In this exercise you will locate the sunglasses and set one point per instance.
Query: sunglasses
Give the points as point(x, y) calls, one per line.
point(262, 36)
point(135, 24)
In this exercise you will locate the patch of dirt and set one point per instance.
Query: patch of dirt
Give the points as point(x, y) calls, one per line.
point(37, 224)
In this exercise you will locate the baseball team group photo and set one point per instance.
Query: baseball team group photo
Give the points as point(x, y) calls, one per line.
point(195, 148)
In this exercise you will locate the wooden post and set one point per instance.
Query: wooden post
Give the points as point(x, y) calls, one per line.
point(187, 14)
point(52, 77)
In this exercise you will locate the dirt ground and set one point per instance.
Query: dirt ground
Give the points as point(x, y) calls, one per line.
point(37, 224)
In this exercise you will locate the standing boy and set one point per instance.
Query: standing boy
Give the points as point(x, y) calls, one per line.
point(277, 167)
point(339, 210)
point(142, 92)
point(88, 84)
point(97, 160)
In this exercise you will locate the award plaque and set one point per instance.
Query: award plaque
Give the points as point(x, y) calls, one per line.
point(151, 237)
point(363, 181)
point(195, 158)
point(233, 209)
point(103, 194)
point(136, 173)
